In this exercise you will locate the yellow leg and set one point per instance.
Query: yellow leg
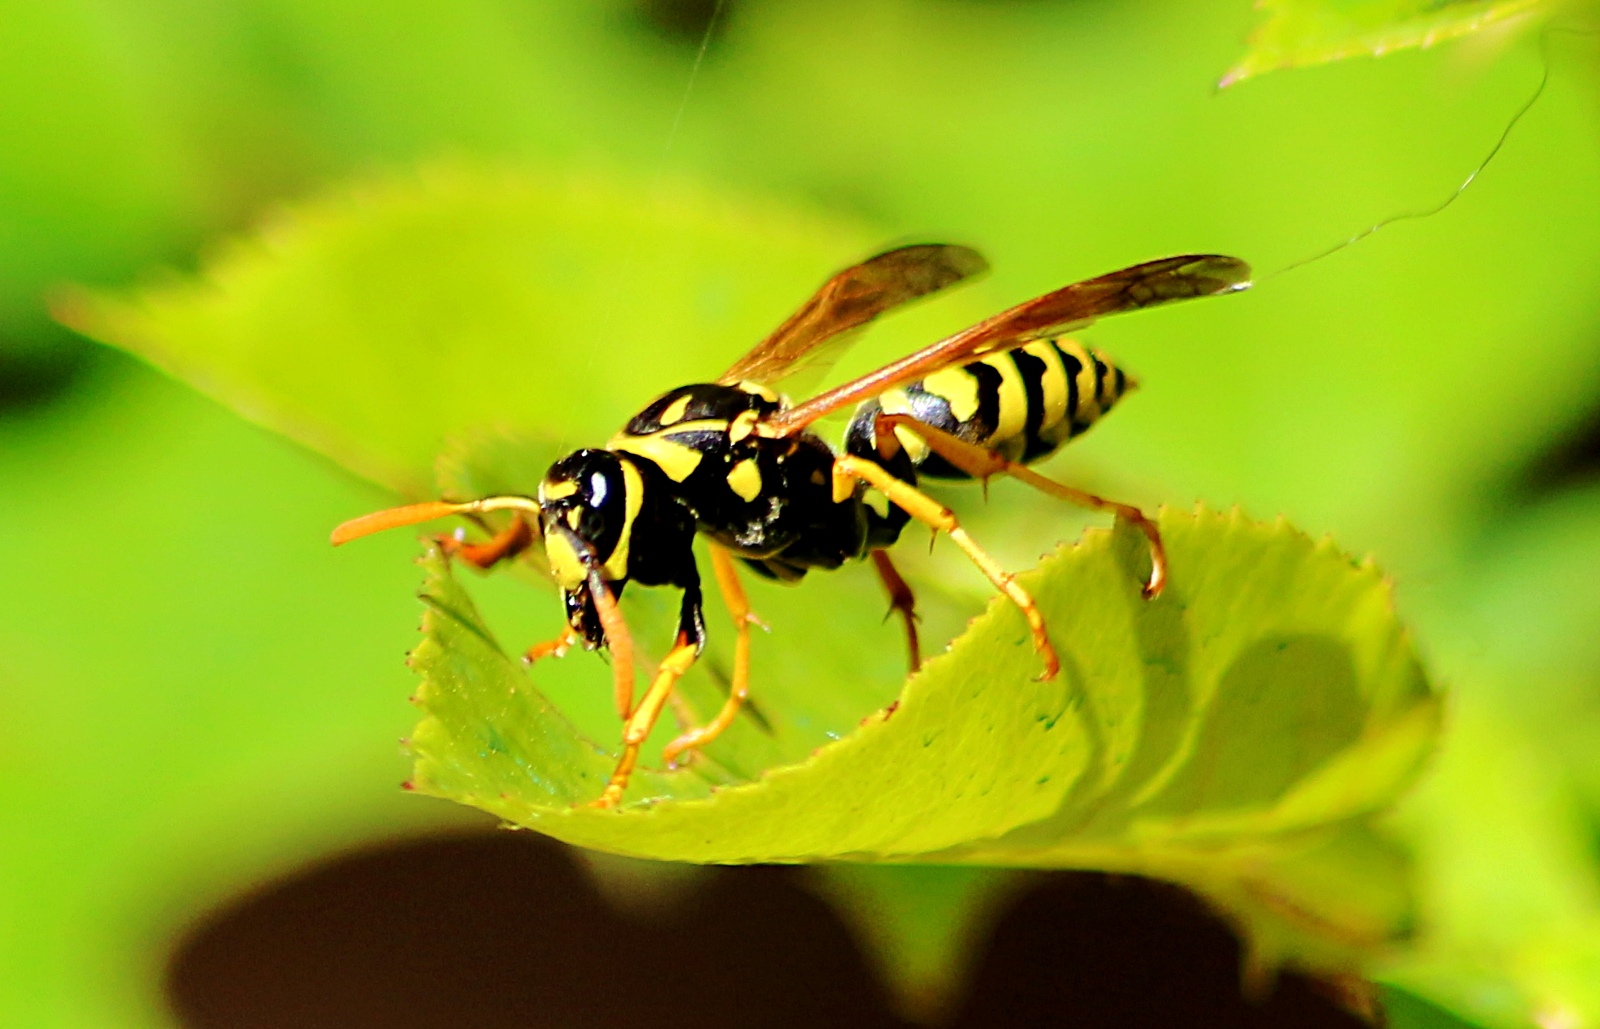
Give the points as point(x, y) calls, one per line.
point(557, 647)
point(727, 575)
point(639, 724)
point(847, 470)
point(620, 642)
point(901, 599)
point(981, 463)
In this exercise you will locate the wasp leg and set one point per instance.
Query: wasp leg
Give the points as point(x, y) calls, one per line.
point(618, 640)
point(639, 724)
point(727, 575)
point(847, 470)
point(901, 599)
point(517, 537)
point(980, 463)
point(557, 647)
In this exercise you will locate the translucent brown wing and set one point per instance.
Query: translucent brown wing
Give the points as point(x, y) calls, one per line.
point(849, 301)
point(1071, 307)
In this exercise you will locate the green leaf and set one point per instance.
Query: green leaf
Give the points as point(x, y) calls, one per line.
point(923, 923)
point(378, 324)
point(1302, 32)
point(1235, 735)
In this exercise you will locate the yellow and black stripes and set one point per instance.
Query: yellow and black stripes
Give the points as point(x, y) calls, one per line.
point(1022, 403)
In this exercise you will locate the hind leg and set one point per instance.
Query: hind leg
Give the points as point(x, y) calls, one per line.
point(848, 470)
point(981, 463)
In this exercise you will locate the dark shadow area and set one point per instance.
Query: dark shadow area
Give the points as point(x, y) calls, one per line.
point(36, 371)
point(1097, 951)
point(1571, 460)
point(502, 929)
point(686, 22)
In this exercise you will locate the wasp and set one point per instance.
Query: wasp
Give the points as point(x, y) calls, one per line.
point(736, 462)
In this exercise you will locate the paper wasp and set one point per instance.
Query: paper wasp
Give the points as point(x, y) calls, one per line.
point(734, 461)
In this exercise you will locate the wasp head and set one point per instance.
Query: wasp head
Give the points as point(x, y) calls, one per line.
point(587, 502)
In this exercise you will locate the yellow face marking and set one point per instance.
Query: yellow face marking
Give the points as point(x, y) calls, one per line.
point(573, 517)
point(1052, 383)
point(565, 567)
point(745, 479)
point(895, 401)
point(616, 566)
point(1013, 415)
point(674, 412)
point(958, 387)
point(549, 491)
point(743, 425)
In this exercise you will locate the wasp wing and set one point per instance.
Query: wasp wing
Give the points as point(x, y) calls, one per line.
point(1071, 307)
point(850, 300)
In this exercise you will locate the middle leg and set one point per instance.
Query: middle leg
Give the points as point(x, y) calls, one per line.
point(901, 599)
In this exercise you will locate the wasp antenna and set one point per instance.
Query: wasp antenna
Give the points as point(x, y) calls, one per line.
point(427, 511)
point(393, 518)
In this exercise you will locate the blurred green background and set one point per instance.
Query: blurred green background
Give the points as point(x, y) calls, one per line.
point(196, 694)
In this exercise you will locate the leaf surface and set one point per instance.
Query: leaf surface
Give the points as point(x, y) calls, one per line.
point(1303, 32)
point(1236, 735)
point(380, 324)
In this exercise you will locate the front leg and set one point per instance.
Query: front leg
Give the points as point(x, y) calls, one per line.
point(690, 640)
point(513, 540)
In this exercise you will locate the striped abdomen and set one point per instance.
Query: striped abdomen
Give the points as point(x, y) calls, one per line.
point(1023, 403)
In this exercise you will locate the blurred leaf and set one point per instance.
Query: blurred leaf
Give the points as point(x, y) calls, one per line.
point(377, 324)
point(1407, 1011)
point(1234, 735)
point(1302, 32)
point(924, 923)
point(276, 735)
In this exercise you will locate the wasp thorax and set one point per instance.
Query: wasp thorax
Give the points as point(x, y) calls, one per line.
point(587, 501)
